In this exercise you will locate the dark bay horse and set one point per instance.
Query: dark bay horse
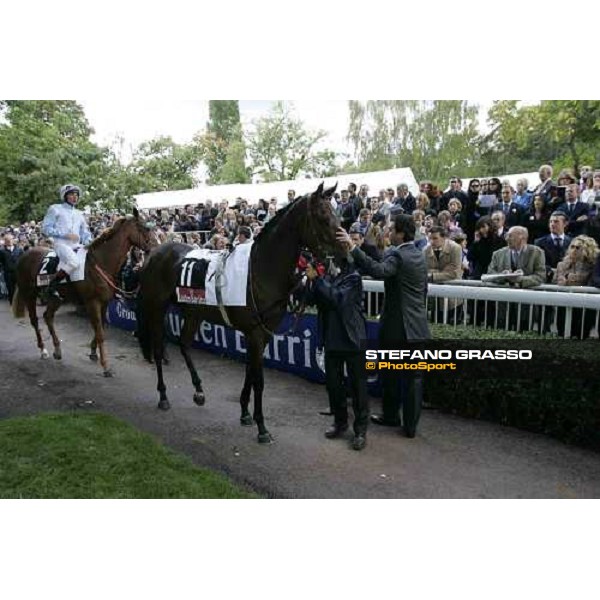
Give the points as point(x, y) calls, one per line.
point(105, 258)
point(307, 222)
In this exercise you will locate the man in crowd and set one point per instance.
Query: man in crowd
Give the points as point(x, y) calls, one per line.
point(513, 213)
point(358, 237)
point(499, 219)
point(9, 255)
point(404, 315)
point(67, 226)
point(404, 199)
point(546, 183)
point(519, 255)
point(577, 212)
point(342, 326)
point(554, 244)
point(455, 191)
point(444, 263)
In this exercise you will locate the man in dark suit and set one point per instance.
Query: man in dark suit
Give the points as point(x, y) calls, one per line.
point(513, 213)
point(9, 255)
point(577, 212)
point(554, 244)
point(404, 199)
point(455, 191)
point(342, 324)
point(404, 315)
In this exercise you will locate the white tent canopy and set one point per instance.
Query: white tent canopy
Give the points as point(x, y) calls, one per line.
point(277, 189)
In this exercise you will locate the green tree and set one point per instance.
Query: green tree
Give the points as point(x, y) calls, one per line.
point(432, 137)
point(162, 164)
point(281, 148)
point(222, 146)
point(565, 133)
point(43, 145)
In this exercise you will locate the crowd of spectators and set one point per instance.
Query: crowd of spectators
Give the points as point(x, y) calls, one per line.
point(459, 230)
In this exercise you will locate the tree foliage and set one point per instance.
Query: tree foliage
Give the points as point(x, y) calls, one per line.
point(222, 145)
point(433, 138)
point(281, 148)
point(43, 144)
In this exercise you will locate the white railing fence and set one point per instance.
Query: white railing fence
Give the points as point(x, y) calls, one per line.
point(547, 309)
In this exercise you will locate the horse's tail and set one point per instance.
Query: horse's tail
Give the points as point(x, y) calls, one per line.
point(18, 304)
point(143, 326)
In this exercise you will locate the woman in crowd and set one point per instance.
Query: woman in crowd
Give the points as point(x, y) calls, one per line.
point(420, 233)
point(471, 210)
point(262, 210)
point(424, 204)
point(446, 221)
point(576, 269)
point(455, 210)
point(487, 241)
point(536, 218)
point(591, 192)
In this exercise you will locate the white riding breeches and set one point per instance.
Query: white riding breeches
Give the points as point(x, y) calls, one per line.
point(68, 258)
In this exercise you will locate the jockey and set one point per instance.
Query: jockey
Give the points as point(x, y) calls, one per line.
point(67, 226)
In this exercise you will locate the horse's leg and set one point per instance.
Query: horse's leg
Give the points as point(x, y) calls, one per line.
point(94, 309)
point(246, 417)
point(256, 348)
point(94, 347)
point(190, 326)
point(156, 323)
point(51, 308)
point(33, 319)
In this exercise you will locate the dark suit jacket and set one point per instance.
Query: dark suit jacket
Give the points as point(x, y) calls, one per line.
point(341, 319)
point(9, 259)
point(514, 216)
point(553, 253)
point(404, 272)
point(575, 227)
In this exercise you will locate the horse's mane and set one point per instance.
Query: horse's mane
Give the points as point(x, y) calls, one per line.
point(270, 226)
point(107, 234)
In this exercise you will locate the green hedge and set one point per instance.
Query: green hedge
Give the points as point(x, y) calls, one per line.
point(564, 408)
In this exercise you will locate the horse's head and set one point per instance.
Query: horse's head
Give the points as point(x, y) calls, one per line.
point(318, 233)
point(140, 232)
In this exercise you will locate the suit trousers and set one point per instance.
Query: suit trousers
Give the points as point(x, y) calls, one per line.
point(357, 383)
point(405, 393)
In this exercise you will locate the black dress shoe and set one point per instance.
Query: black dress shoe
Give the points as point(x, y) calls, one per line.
point(326, 413)
point(410, 432)
point(359, 442)
point(380, 420)
point(335, 431)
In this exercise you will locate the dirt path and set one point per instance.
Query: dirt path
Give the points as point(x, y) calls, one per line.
point(450, 458)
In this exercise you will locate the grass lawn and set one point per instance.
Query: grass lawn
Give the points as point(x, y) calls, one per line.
point(97, 456)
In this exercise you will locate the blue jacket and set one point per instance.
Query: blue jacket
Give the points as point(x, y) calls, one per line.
point(62, 219)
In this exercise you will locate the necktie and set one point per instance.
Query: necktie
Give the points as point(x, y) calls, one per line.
point(506, 207)
point(437, 254)
point(513, 260)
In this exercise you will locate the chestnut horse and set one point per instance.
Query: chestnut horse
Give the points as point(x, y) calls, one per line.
point(105, 258)
point(308, 222)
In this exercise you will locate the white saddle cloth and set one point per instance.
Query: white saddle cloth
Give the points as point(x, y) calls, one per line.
point(235, 275)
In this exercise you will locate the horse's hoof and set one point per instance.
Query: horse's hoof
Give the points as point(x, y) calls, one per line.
point(199, 398)
point(44, 354)
point(57, 355)
point(108, 373)
point(94, 357)
point(246, 420)
point(164, 405)
point(265, 438)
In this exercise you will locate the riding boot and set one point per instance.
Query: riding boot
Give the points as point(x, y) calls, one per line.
point(53, 285)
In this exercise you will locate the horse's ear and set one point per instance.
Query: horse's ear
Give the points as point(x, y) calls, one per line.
point(329, 192)
point(319, 191)
point(136, 214)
